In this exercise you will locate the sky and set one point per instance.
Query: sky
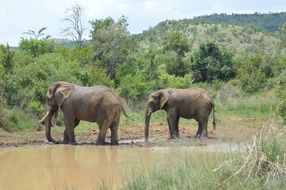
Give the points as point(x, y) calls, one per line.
point(18, 16)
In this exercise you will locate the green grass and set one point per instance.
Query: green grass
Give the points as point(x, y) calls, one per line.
point(248, 106)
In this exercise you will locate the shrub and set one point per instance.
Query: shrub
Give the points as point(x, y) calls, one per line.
point(35, 78)
point(251, 74)
point(13, 119)
point(280, 90)
point(210, 62)
point(97, 76)
point(170, 81)
point(35, 47)
point(133, 87)
point(176, 65)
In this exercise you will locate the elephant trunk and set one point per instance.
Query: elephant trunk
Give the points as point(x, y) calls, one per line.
point(147, 123)
point(48, 123)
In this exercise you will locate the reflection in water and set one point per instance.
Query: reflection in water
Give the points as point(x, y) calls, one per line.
point(79, 167)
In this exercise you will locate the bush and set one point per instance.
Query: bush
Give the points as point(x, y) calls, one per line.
point(170, 81)
point(97, 76)
point(280, 90)
point(13, 119)
point(133, 87)
point(35, 47)
point(251, 75)
point(176, 65)
point(210, 62)
point(35, 78)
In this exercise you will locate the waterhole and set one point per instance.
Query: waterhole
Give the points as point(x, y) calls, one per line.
point(86, 167)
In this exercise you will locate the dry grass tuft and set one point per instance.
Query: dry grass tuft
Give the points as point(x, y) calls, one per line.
point(266, 157)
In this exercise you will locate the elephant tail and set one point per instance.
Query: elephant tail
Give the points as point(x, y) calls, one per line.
point(214, 123)
point(123, 110)
point(122, 107)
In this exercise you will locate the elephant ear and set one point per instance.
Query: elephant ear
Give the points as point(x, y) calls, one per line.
point(164, 98)
point(62, 93)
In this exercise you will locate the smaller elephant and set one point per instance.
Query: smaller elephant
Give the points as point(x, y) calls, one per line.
point(190, 103)
point(94, 104)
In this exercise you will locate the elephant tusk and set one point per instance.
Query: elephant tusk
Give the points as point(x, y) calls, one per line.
point(42, 120)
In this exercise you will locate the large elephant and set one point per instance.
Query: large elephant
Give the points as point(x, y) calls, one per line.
point(94, 104)
point(190, 103)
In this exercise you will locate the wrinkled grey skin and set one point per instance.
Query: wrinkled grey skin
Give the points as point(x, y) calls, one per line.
point(186, 103)
point(94, 104)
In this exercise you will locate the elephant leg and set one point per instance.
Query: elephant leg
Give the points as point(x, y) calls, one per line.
point(205, 128)
point(177, 127)
point(102, 133)
point(200, 130)
point(114, 133)
point(173, 125)
point(70, 123)
point(66, 137)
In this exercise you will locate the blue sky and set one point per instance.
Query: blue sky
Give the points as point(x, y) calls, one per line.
point(18, 16)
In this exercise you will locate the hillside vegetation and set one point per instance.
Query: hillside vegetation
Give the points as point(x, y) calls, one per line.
point(269, 21)
point(234, 60)
point(236, 38)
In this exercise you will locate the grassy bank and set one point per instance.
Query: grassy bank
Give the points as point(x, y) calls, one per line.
point(263, 166)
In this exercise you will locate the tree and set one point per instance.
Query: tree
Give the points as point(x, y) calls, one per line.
point(280, 91)
point(210, 62)
point(8, 80)
point(37, 35)
point(112, 43)
point(6, 58)
point(75, 22)
point(282, 34)
point(175, 41)
point(34, 45)
point(252, 74)
point(175, 45)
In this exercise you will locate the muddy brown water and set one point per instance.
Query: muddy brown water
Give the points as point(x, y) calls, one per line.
point(85, 167)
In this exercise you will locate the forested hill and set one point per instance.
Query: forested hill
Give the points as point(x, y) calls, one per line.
point(270, 21)
point(236, 38)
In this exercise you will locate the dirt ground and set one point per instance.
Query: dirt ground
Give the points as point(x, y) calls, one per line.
point(230, 130)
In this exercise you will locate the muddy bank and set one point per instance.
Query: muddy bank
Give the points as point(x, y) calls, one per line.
point(230, 130)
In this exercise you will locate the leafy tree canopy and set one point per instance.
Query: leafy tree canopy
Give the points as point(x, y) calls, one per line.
point(210, 62)
point(111, 42)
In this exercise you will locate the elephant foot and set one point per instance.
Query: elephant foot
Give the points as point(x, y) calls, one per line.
point(201, 136)
point(73, 143)
point(69, 142)
point(198, 136)
point(100, 143)
point(114, 143)
point(174, 137)
point(53, 142)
